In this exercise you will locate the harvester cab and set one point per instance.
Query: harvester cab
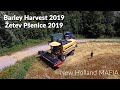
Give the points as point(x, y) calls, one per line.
point(55, 47)
point(60, 48)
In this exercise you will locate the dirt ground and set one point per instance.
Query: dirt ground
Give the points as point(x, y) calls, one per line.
point(9, 60)
point(105, 63)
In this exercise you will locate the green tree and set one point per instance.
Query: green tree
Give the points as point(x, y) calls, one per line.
point(117, 26)
point(109, 23)
point(93, 24)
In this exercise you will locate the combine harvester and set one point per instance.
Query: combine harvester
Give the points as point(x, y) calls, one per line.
point(61, 47)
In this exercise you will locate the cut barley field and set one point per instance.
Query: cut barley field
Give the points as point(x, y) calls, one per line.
point(106, 56)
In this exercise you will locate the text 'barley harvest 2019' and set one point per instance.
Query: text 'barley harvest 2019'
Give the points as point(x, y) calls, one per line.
point(53, 21)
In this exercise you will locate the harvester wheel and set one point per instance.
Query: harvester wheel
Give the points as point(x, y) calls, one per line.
point(76, 45)
point(63, 57)
point(72, 52)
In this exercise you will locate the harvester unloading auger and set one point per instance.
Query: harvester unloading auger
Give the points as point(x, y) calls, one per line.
point(61, 46)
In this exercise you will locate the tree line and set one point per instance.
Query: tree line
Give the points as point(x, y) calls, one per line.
point(89, 24)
